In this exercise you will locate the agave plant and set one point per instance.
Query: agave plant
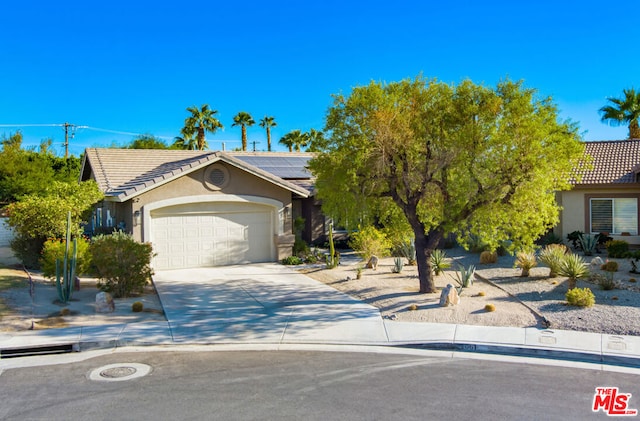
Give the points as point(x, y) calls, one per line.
point(464, 276)
point(526, 260)
point(439, 262)
point(573, 267)
point(408, 250)
point(588, 243)
point(552, 256)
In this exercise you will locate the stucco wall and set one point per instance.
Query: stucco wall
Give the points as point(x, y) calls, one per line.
point(574, 215)
point(241, 184)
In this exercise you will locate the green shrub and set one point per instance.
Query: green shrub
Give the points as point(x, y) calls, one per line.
point(369, 241)
point(617, 248)
point(27, 250)
point(552, 256)
point(54, 249)
point(292, 260)
point(581, 297)
point(137, 307)
point(121, 263)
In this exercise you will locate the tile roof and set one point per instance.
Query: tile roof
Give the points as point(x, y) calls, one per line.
point(613, 162)
point(124, 173)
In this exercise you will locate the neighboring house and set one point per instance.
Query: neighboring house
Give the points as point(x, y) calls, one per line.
point(605, 199)
point(204, 208)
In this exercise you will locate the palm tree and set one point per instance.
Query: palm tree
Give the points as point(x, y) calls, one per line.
point(200, 121)
point(267, 123)
point(316, 139)
point(187, 142)
point(243, 120)
point(294, 138)
point(624, 111)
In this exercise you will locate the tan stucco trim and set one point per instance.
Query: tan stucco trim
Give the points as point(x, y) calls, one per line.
point(279, 213)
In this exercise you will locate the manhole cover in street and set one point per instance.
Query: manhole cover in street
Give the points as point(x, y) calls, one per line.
point(119, 372)
point(116, 372)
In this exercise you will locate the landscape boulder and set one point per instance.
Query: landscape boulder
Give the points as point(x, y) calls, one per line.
point(105, 303)
point(372, 263)
point(449, 296)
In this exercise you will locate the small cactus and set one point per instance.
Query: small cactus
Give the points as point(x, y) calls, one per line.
point(413, 307)
point(137, 307)
point(359, 273)
point(490, 307)
point(481, 294)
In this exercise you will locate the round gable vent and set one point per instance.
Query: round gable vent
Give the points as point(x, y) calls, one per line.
point(216, 177)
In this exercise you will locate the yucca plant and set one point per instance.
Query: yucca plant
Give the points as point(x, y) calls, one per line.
point(526, 260)
point(439, 261)
point(573, 267)
point(552, 256)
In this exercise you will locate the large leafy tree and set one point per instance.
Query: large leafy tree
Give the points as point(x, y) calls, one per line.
point(267, 123)
point(24, 172)
point(147, 141)
point(200, 121)
point(43, 215)
point(625, 110)
point(243, 119)
point(463, 159)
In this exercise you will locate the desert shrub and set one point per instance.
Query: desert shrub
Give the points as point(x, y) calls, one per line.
point(525, 261)
point(137, 307)
point(617, 248)
point(607, 283)
point(27, 250)
point(610, 266)
point(121, 263)
point(488, 257)
point(552, 256)
point(490, 307)
point(581, 297)
point(370, 241)
point(54, 249)
point(291, 260)
point(398, 265)
point(439, 261)
point(550, 238)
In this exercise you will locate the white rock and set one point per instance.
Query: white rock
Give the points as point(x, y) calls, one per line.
point(105, 303)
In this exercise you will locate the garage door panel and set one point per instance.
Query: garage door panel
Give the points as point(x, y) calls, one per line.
point(197, 240)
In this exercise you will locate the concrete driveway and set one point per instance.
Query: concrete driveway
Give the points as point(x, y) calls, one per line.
point(267, 303)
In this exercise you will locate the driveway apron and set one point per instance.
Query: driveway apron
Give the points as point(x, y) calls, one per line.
point(262, 303)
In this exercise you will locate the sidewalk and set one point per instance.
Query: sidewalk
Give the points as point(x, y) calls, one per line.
point(273, 305)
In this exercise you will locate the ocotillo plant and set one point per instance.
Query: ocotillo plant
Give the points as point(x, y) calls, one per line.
point(64, 280)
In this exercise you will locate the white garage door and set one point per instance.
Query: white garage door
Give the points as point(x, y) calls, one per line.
point(185, 237)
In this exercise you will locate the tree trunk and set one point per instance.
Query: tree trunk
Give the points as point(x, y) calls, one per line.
point(425, 245)
point(634, 130)
point(268, 138)
point(200, 138)
point(244, 138)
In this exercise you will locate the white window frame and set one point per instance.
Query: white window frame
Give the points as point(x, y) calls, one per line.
point(616, 227)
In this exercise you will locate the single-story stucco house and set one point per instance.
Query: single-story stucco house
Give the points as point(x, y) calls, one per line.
point(605, 198)
point(204, 208)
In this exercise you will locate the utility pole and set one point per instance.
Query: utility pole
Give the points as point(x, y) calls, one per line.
point(66, 137)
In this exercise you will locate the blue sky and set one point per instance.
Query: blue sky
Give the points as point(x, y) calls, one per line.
point(134, 66)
